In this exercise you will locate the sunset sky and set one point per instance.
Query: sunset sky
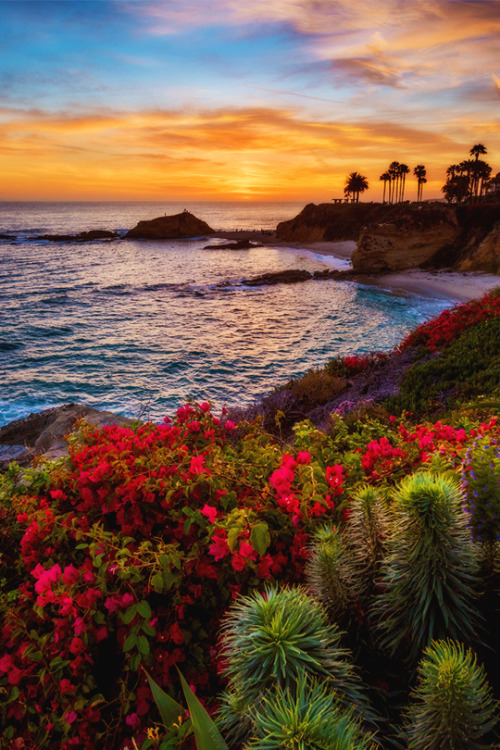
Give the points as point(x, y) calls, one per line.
point(241, 99)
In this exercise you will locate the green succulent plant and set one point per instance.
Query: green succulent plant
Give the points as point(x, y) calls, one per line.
point(452, 707)
point(330, 576)
point(365, 535)
point(270, 641)
point(430, 573)
point(308, 718)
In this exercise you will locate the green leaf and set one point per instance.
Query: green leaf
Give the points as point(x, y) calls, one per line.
point(206, 733)
point(169, 709)
point(232, 537)
point(143, 645)
point(157, 582)
point(135, 661)
point(144, 610)
point(130, 642)
point(130, 614)
point(260, 538)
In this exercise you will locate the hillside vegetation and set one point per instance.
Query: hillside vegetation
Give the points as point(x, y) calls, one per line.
point(333, 588)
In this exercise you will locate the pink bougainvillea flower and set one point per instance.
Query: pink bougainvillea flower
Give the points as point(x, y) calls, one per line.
point(210, 512)
point(303, 457)
point(196, 466)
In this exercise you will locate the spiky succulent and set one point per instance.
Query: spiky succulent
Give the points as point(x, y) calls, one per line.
point(430, 573)
point(271, 640)
point(330, 575)
point(308, 718)
point(452, 707)
point(365, 536)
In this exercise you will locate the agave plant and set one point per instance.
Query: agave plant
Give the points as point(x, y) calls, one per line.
point(430, 573)
point(270, 641)
point(308, 718)
point(452, 707)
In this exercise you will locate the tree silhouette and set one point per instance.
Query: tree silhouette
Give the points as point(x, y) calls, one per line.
point(469, 179)
point(393, 186)
point(386, 177)
point(403, 171)
point(354, 185)
point(419, 171)
point(478, 149)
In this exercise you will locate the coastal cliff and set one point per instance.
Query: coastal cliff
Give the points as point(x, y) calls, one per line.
point(407, 235)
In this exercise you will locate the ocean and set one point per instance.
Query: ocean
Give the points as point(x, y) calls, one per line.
point(138, 327)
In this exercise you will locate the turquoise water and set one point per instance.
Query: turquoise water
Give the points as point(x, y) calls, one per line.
point(137, 327)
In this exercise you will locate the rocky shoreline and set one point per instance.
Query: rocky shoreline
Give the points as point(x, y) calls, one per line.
point(390, 238)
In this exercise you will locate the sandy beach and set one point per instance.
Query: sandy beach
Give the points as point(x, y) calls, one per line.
point(457, 287)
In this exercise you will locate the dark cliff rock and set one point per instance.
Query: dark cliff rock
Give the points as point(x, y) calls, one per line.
point(238, 245)
point(412, 238)
point(332, 222)
point(178, 226)
point(405, 235)
point(91, 236)
point(43, 433)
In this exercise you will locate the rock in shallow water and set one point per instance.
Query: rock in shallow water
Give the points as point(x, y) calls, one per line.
point(43, 433)
point(178, 226)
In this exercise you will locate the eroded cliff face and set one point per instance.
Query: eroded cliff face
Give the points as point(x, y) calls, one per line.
point(412, 240)
point(484, 257)
point(405, 235)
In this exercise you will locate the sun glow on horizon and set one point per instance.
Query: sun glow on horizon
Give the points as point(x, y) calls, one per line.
point(210, 100)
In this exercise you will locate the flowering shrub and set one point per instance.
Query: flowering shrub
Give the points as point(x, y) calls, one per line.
point(129, 552)
point(440, 332)
point(352, 365)
point(480, 473)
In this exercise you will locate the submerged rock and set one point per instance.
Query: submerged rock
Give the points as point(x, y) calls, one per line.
point(178, 226)
point(239, 245)
point(91, 236)
point(43, 433)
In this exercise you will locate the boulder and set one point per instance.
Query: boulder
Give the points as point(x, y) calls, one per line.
point(486, 256)
point(43, 433)
point(413, 239)
point(175, 227)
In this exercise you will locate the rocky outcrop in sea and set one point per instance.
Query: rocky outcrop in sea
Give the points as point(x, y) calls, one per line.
point(178, 226)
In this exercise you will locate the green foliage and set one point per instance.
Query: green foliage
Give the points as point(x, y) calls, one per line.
point(330, 575)
point(452, 707)
point(309, 718)
point(366, 533)
point(480, 472)
point(205, 731)
point(271, 640)
point(430, 573)
point(470, 365)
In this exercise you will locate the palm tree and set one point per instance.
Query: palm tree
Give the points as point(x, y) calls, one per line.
point(419, 171)
point(386, 177)
point(354, 185)
point(393, 187)
point(403, 171)
point(478, 149)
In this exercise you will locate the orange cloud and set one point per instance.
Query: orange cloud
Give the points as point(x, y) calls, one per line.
point(265, 153)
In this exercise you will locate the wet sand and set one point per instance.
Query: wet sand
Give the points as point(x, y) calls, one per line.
point(457, 287)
